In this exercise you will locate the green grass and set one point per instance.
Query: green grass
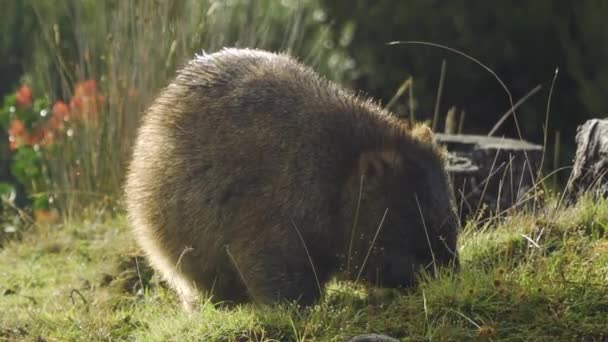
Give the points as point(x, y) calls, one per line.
point(86, 281)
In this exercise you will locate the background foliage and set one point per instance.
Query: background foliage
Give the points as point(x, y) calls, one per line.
point(522, 41)
point(129, 50)
point(132, 48)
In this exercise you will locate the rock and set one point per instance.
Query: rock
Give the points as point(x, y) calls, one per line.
point(490, 173)
point(372, 338)
point(590, 171)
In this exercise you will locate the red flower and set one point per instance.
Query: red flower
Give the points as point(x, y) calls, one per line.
point(89, 87)
point(59, 114)
point(33, 139)
point(76, 106)
point(17, 128)
point(16, 134)
point(24, 97)
point(85, 88)
point(60, 109)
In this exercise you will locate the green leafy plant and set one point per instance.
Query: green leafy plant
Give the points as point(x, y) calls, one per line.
point(25, 121)
point(37, 133)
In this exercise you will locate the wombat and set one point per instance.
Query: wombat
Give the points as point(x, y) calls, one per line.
point(255, 179)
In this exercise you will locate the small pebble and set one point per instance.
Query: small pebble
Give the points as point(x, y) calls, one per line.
point(372, 338)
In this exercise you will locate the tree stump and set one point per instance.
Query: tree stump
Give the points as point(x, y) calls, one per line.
point(490, 174)
point(590, 171)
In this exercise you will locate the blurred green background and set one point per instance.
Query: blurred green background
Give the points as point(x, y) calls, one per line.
point(136, 46)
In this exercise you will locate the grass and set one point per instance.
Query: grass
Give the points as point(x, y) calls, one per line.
point(541, 278)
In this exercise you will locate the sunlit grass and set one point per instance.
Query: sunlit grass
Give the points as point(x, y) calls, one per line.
point(541, 277)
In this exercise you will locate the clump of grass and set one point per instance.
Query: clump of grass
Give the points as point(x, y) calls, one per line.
point(538, 276)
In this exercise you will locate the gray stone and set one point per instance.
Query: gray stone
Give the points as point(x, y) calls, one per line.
point(372, 338)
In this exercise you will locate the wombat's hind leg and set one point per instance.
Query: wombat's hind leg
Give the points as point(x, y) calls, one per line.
point(185, 288)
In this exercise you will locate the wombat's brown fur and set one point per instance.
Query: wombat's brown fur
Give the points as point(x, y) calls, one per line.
point(254, 178)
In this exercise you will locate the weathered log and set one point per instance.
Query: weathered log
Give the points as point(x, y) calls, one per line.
point(590, 171)
point(490, 174)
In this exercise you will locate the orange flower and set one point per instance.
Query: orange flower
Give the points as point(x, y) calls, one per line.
point(60, 109)
point(46, 216)
point(59, 114)
point(16, 134)
point(85, 88)
point(84, 103)
point(47, 137)
point(33, 139)
point(17, 128)
point(90, 87)
point(76, 106)
point(24, 97)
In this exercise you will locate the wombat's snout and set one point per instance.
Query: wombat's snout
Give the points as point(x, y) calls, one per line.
point(402, 266)
point(404, 272)
point(400, 274)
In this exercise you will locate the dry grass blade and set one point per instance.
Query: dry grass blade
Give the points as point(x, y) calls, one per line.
point(511, 110)
point(185, 251)
point(546, 127)
point(139, 278)
point(556, 155)
point(352, 235)
point(487, 180)
point(371, 246)
point(407, 84)
point(426, 233)
point(240, 272)
point(312, 265)
point(438, 99)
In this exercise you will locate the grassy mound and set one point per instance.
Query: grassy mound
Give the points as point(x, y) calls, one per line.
point(541, 277)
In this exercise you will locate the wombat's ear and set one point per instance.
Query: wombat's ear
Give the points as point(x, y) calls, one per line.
point(375, 165)
point(423, 133)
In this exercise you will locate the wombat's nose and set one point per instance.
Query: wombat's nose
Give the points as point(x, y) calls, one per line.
point(397, 274)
